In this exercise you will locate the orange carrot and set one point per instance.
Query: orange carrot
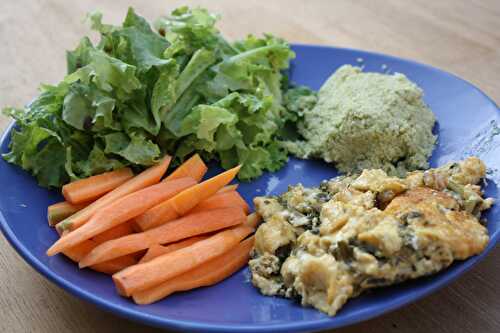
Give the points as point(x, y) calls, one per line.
point(193, 168)
point(156, 216)
point(184, 201)
point(144, 276)
point(189, 198)
point(158, 250)
point(91, 188)
point(146, 178)
point(61, 210)
point(77, 252)
point(222, 200)
point(120, 230)
point(228, 188)
point(153, 252)
point(206, 274)
point(121, 211)
point(187, 226)
point(114, 266)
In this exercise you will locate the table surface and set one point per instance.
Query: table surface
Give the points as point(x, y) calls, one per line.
point(462, 37)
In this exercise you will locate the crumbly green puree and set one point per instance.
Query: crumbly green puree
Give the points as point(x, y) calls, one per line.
point(366, 121)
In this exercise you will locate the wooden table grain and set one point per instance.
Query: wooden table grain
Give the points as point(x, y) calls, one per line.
point(462, 37)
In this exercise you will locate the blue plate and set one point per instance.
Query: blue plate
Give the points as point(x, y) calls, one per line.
point(467, 125)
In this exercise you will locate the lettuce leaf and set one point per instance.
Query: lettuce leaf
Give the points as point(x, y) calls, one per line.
point(176, 88)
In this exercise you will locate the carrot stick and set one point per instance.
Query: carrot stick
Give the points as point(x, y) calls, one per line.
point(120, 230)
point(193, 168)
point(184, 201)
point(144, 276)
point(206, 274)
point(114, 266)
point(158, 250)
point(121, 211)
point(153, 252)
point(222, 200)
point(110, 267)
point(187, 226)
point(77, 252)
point(91, 188)
point(228, 188)
point(189, 198)
point(61, 210)
point(156, 216)
point(146, 178)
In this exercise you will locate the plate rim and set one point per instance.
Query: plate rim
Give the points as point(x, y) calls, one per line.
point(190, 325)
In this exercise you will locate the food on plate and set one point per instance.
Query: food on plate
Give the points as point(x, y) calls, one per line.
point(61, 210)
point(208, 230)
point(144, 100)
point(157, 249)
point(149, 274)
point(223, 200)
point(180, 88)
point(91, 188)
point(184, 201)
point(109, 267)
point(148, 177)
point(228, 188)
point(121, 211)
point(206, 274)
point(322, 246)
point(182, 228)
point(368, 121)
point(193, 167)
point(120, 230)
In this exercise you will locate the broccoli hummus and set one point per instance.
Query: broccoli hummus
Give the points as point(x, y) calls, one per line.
point(368, 120)
point(324, 245)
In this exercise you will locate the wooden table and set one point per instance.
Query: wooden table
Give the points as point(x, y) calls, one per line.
point(462, 37)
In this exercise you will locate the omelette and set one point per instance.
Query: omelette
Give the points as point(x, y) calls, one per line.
point(322, 246)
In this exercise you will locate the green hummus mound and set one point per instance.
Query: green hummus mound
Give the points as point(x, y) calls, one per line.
point(368, 121)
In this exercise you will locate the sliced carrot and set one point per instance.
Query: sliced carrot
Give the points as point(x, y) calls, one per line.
point(187, 226)
point(114, 266)
point(158, 250)
point(120, 230)
point(193, 168)
point(222, 200)
point(206, 274)
point(77, 252)
point(61, 210)
point(146, 178)
point(121, 211)
point(156, 216)
point(91, 188)
point(153, 252)
point(228, 188)
point(184, 201)
point(110, 267)
point(144, 276)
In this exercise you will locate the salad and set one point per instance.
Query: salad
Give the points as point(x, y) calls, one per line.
point(141, 92)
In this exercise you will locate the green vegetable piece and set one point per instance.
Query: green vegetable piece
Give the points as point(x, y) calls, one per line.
point(136, 149)
point(141, 92)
